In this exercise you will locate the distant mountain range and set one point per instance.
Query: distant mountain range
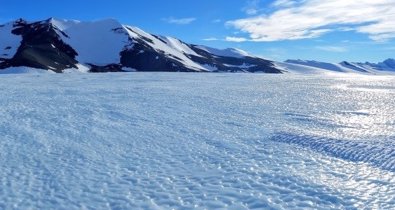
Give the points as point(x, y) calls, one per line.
point(306, 66)
point(108, 46)
point(59, 46)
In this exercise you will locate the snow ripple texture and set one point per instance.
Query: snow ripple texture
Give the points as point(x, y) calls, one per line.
point(380, 154)
point(196, 141)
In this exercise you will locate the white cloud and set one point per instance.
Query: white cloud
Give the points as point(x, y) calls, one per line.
point(302, 19)
point(284, 3)
point(235, 39)
point(217, 21)
point(179, 21)
point(332, 49)
point(211, 39)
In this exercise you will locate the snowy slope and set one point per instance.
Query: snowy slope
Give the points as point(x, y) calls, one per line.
point(298, 68)
point(9, 42)
point(178, 45)
point(196, 141)
point(230, 52)
point(306, 66)
point(96, 42)
point(169, 46)
point(388, 64)
point(317, 64)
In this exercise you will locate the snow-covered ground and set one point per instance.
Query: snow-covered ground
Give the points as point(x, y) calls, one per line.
point(197, 141)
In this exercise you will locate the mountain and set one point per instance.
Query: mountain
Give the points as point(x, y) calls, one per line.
point(108, 46)
point(310, 66)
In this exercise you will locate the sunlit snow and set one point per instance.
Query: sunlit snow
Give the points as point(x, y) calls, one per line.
point(197, 141)
point(85, 36)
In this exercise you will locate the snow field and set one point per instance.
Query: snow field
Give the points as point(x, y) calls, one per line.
point(194, 141)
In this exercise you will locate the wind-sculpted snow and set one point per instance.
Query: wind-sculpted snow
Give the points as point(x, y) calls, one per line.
point(196, 141)
point(380, 154)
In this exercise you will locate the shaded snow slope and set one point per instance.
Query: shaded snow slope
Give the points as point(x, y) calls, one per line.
point(388, 64)
point(196, 141)
point(9, 42)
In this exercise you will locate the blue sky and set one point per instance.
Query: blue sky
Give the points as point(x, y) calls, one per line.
point(326, 30)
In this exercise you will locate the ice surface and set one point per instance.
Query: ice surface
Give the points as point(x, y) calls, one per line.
point(196, 141)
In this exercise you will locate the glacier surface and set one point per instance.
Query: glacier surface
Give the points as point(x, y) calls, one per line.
point(197, 141)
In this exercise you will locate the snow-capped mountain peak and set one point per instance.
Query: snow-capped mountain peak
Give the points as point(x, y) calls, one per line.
point(107, 45)
point(63, 24)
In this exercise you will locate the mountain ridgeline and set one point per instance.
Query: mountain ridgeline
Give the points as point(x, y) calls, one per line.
point(108, 46)
point(386, 66)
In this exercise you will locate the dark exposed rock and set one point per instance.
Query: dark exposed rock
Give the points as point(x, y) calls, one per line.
point(41, 47)
point(107, 68)
point(144, 58)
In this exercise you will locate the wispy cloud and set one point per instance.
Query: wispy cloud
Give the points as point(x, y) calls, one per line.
point(332, 49)
point(302, 19)
point(235, 39)
point(179, 21)
point(211, 39)
point(226, 39)
point(216, 21)
point(284, 3)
